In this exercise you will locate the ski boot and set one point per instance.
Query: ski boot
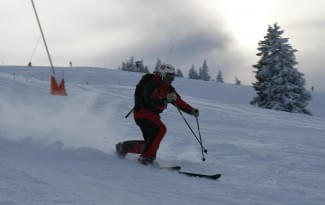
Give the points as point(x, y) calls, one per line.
point(146, 160)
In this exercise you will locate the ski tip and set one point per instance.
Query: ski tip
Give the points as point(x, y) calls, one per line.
point(216, 176)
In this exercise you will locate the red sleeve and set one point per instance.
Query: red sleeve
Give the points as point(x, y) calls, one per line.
point(181, 104)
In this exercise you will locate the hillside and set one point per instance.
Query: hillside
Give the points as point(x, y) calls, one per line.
point(60, 150)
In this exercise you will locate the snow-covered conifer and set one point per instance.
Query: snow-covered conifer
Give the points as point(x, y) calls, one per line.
point(279, 86)
point(146, 69)
point(129, 65)
point(179, 73)
point(204, 72)
point(220, 77)
point(193, 74)
point(134, 66)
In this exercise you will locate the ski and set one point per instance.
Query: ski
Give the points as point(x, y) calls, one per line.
point(206, 176)
point(192, 174)
point(172, 168)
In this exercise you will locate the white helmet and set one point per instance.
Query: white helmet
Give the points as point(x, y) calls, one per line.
point(165, 69)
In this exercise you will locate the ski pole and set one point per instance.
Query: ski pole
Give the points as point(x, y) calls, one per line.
point(203, 150)
point(198, 128)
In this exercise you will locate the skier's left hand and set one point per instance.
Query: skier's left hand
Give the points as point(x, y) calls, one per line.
point(195, 112)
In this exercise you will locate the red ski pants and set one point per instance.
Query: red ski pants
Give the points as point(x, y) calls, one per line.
point(153, 130)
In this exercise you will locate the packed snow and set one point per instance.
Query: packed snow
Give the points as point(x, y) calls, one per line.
point(60, 149)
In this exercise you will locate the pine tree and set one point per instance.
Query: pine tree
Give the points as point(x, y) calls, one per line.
point(129, 65)
point(219, 77)
point(279, 86)
point(134, 66)
point(204, 72)
point(139, 66)
point(192, 74)
point(146, 69)
point(179, 73)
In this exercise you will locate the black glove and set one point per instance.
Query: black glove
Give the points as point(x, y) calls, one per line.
point(171, 97)
point(195, 112)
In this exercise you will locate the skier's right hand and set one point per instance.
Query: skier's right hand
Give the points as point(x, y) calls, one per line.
point(171, 97)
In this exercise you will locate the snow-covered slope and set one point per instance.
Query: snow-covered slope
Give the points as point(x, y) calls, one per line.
point(60, 150)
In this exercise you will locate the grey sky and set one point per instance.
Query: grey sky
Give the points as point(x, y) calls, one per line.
point(181, 32)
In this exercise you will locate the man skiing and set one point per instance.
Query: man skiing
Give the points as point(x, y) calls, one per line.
point(152, 95)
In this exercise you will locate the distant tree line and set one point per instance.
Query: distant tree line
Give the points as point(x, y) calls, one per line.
point(134, 66)
point(201, 74)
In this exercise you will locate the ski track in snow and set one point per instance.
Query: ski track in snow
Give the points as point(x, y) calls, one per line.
point(60, 150)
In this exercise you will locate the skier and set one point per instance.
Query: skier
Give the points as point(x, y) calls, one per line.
point(152, 95)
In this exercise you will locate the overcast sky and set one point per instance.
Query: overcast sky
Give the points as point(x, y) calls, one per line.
point(181, 32)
